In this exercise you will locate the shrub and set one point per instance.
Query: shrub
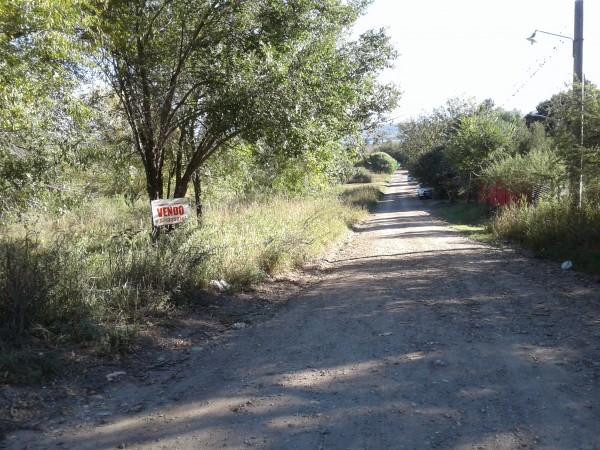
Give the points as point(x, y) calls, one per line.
point(394, 149)
point(381, 162)
point(364, 197)
point(556, 230)
point(361, 175)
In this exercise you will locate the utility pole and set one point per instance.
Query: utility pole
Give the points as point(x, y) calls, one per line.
point(578, 88)
point(578, 80)
point(578, 43)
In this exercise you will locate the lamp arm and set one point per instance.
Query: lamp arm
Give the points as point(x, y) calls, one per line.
point(553, 34)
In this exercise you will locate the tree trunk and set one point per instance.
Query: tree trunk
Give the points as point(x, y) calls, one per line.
point(469, 187)
point(154, 187)
point(197, 194)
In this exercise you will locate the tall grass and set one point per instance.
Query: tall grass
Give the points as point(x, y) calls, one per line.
point(555, 230)
point(93, 275)
point(365, 196)
point(257, 239)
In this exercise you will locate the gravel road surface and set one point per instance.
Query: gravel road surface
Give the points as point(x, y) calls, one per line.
point(413, 337)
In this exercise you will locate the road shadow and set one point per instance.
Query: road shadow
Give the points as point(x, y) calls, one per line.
point(439, 343)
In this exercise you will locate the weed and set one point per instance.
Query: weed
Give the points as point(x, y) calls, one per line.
point(361, 175)
point(93, 275)
point(554, 230)
point(363, 196)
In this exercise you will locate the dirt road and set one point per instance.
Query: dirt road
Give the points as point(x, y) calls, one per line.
point(413, 338)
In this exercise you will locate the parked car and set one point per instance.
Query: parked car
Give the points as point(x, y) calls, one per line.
point(410, 177)
point(425, 192)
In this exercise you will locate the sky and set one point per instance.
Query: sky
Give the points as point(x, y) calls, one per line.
point(478, 48)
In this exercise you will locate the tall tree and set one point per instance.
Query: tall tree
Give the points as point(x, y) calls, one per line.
point(581, 157)
point(193, 75)
point(424, 142)
point(478, 139)
point(40, 53)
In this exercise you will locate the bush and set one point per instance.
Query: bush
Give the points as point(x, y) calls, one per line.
point(361, 175)
point(93, 275)
point(364, 197)
point(555, 230)
point(380, 162)
point(394, 149)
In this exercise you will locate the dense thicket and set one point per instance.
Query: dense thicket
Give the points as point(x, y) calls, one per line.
point(463, 147)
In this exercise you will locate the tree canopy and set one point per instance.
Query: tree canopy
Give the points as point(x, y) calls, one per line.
point(193, 76)
point(41, 51)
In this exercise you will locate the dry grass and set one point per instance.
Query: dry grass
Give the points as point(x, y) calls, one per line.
point(93, 275)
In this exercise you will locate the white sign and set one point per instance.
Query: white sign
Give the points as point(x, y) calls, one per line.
point(170, 211)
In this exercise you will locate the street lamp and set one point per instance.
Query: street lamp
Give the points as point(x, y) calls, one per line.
point(577, 73)
point(533, 41)
point(577, 52)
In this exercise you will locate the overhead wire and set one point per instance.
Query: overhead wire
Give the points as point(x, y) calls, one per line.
point(533, 71)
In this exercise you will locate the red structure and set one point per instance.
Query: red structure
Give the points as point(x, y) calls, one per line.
point(499, 195)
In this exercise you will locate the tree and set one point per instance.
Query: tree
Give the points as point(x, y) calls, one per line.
point(538, 169)
point(40, 53)
point(478, 139)
point(194, 75)
point(580, 156)
point(424, 142)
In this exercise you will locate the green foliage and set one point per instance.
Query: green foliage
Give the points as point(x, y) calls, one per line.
point(394, 149)
point(424, 142)
point(364, 197)
point(556, 230)
point(563, 121)
point(257, 171)
point(283, 75)
point(478, 139)
point(380, 162)
point(81, 152)
point(521, 173)
point(39, 47)
point(361, 175)
point(40, 57)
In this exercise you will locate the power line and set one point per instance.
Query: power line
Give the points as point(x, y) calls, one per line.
point(533, 71)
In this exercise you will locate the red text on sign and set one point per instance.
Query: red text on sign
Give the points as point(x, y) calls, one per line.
point(170, 211)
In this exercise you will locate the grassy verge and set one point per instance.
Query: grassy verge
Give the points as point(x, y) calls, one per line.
point(555, 230)
point(92, 276)
point(365, 195)
point(552, 230)
point(467, 219)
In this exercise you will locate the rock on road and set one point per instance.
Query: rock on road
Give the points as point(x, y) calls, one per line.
point(414, 337)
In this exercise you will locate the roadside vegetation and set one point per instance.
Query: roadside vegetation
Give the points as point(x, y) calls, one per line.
point(365, 195)
point(469, 219)
point(93, 275)
point(533, 180)
point(105, 106)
